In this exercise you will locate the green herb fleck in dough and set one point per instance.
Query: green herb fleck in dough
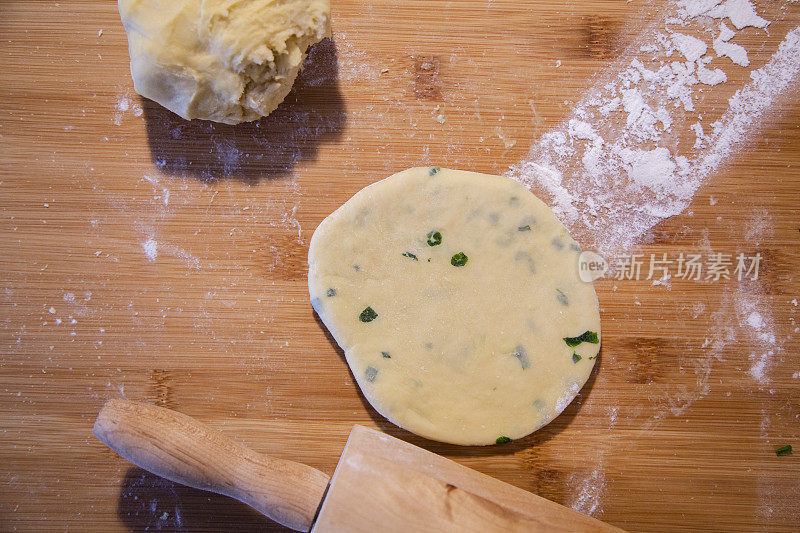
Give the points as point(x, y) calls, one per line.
point(368, 315)
point(434, 238)
point(522, 357)
point(526, 227)
point(356, 268)
point(562, 298)
point(371, 373)
point(513, 201)
point(786, 449)
point(330, 293)
point(459, 259)
point(429, 260)
point(502, 440)
point(586, 336)
point(434, 170)
point(576, 357)
point(592, 357)
point(410, 256)
point(386, 355)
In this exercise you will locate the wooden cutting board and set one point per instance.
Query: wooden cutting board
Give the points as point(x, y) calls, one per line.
point(164, 261)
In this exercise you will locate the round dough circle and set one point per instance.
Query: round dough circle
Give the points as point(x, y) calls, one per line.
point(456, 297)
point(229, 61)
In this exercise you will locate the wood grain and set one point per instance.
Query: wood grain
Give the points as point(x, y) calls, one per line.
point(665, 435)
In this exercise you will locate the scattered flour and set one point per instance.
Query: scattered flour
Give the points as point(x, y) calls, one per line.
point(508, 143)
point(741, 13)
point(175, 251)
point(289, 220)
point(707, 76)
point(613, 169)
point(124, 104)
point(664, 281)
point(734, 52)
point(750, 103)
point(355, 66)
point(589, 492)
point(692, 48)
point(162, 193)
point(758, 326)
point(755, 320)
point(150, 248)
point(759, 226)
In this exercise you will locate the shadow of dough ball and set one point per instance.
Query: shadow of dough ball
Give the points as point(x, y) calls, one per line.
point(220, 60)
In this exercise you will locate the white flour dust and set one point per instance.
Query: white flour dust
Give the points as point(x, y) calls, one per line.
point(150, 248)
point(614, 169)
point(758, 326)
point(125, 104)
point(678, 397)
point(732, 51)
point(589, 491)
point(355, 66)
point(749, 104)
point(162, 193)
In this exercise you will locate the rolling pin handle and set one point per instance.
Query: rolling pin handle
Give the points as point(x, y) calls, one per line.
point(181, 449)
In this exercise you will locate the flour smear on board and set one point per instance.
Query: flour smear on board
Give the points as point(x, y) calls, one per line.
point(634, 151)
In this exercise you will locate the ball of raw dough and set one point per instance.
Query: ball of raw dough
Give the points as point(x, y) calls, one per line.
point(228, 61)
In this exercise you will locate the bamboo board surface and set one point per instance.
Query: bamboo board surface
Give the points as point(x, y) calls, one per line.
point(147, 257)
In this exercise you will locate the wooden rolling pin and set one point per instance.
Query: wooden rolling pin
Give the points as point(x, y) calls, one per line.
point(380, 484)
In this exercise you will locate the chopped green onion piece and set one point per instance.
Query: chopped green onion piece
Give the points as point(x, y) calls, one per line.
point(434, 170)
point(526, 227)
point(586, 336)
point(368, 315)
point(410, 255)
point(459, 259)
point(576, 357)
point(502, 440)
point(434, 238)
point(786, 449)
point(386, 355)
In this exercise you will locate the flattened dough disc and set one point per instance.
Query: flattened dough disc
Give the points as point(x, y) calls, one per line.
point(456, 299)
